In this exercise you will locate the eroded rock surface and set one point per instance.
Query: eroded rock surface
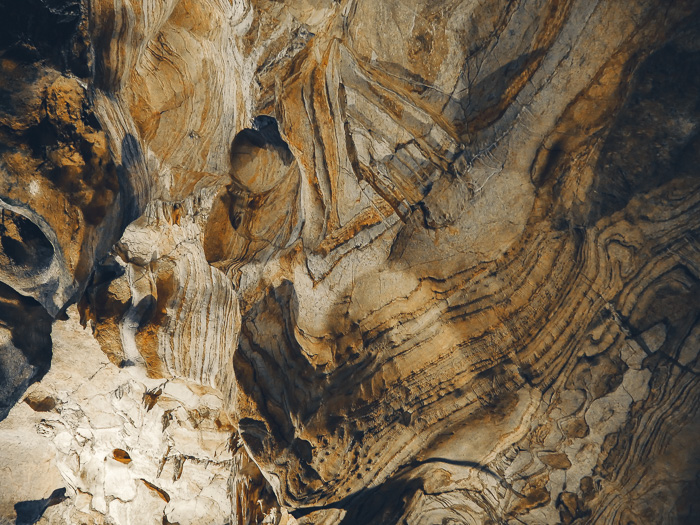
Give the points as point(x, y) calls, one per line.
point(350, 261)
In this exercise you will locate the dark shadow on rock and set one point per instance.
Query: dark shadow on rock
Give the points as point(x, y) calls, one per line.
point(387, 503)
point(273, 369)
point(655, 137)
point(45, 29)
point(268, 131)
point(483, 104)
point(303, 396)
point(258, 371)
point(25, 356)
point(264, 133)
point(375, 506)
point(29, 512)
point(384, 504)
point(131, 156)
point(688, 505)
point(23, 243)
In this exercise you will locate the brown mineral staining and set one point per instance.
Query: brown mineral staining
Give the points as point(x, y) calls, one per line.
point(569, 507)
point(122, 456)
point(40, 403)
point(557, 461)
point(535, 494)
point(64, 104)
point(575, 428)
point(150, 398)
point(223, 423)
point(161, 493)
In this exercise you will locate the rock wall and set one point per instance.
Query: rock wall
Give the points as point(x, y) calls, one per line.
point(349, 262)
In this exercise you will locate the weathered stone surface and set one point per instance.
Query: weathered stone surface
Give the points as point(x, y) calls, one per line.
point(127, 448)
point(351, 261)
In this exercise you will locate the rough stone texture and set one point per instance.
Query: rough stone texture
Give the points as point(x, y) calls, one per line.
point(350, 262)
point(129, 449)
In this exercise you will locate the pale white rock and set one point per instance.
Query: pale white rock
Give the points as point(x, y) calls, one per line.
point(81, 455)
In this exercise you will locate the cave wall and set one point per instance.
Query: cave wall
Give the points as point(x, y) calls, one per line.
point(349, 261)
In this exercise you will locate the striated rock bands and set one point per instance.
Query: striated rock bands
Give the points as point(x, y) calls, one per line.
point(349, 262)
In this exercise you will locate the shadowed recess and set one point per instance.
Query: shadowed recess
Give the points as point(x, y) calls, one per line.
point(22, 243)
point(30, 512)
point(25, 345)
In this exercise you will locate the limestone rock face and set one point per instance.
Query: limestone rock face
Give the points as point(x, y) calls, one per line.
point(349, 262)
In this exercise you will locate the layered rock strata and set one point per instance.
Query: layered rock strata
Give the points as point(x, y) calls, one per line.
point(350, 261)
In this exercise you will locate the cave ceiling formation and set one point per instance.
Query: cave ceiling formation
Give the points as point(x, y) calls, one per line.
point(349, 261)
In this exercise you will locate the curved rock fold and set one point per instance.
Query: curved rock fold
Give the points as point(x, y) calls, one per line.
point(349, 261)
